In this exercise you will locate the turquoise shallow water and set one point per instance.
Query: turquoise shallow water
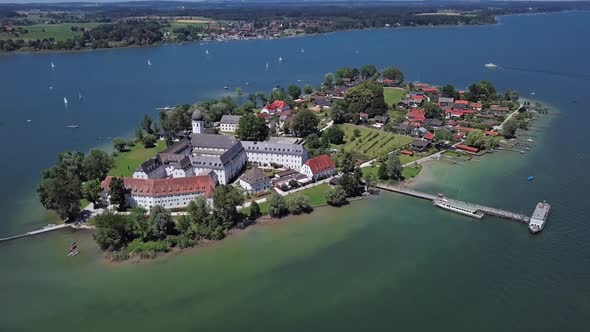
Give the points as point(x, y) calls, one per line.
point(388, 262)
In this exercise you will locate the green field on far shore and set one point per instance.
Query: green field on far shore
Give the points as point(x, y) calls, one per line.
point(59, 32)
point(393, 95)
point(126, 162)
point(371, 142)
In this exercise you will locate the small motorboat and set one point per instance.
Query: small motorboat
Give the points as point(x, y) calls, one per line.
point(490, 65)
point(226, 87)
point(530, 178)
point(73, 126)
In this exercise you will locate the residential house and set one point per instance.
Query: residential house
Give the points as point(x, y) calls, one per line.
point(446, 102)
point(363, 117)
point(254, 181)
point(320, 167)
point(498, 108)
point(467, 148)
point(276, 106)
point(402, 128)
point(420, 145)
point(229, 123)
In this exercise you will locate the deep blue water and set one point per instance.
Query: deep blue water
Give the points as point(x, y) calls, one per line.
point(541, 53)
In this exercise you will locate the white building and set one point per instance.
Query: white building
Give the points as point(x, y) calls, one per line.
point(318, 168)
point(169, 193)
point(267, 153)
point(229, 123)
point(255, 181)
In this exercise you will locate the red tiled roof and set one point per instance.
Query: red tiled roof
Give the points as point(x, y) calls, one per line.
point(466, 129)
point(407, 152)
point(492, 133)
point(467, 148)
point(164, 187)
point(416, 113)
point(462, 102)
point(277, 104)
point(417, 97)
point(430, 89)
point(320, 164)
point(263, 115)
point(364, 115)
point(476, 105)
point(429, 136)
point(421, 85)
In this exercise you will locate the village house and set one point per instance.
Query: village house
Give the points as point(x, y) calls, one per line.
point(402, 128)
point(363, 117)
point(498, 108)
point(276, 106)
point(420, 145)
point(229, 123)
point(168, 193)
point(318, 168)
point(255, 181)
point(445, 102)
point(467, 148)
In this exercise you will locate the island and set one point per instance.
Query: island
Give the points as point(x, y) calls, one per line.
point(203, 170)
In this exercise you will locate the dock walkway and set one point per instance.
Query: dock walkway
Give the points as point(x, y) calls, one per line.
point(485, 209)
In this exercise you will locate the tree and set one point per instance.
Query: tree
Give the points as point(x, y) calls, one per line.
point(297, 204)
point(349, 183)
point(161, 221)
point(138, 134)
point(225, 201)
point(394, 167)
point(307, 89)
point(336, 197)
point(448, 91)
point(348, 162)
point(252, 128)
point(328, 80)
point(119, 144)
point(142, 228)
point(254, 210)
point(482, 91)
point(509, 128)
point(368, 71)
point(475, 138)
point(492, 142)
point(59, 190)
point(97, 164)
point(393, 73)
point(91, 191)
point(277, 207)
point(335, 135)
point(253, 99)
point(294, 91)
point(149, 141)
point(304, 123)
point(432, 111)
point(312, 141)
point(239, 91)
point(113, 231)
point(356, 132)
point(146, 124)
point(72, 162)
point(443, 134)
point(117, 193)
point(366, 97)
point(199, 210)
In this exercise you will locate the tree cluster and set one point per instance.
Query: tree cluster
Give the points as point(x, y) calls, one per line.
point(75, 176)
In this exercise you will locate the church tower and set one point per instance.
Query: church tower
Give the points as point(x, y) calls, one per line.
point(198, 123)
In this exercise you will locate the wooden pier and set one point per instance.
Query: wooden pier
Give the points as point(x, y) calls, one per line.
point(485, 209)
point(39, 231)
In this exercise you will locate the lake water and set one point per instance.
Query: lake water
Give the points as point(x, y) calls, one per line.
point(388, 262)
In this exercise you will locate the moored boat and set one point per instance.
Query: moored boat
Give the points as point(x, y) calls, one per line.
point(539, 217)
point(458, 207)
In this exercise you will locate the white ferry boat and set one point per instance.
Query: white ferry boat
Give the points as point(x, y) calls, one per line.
point(458, 207)
point(539, 217)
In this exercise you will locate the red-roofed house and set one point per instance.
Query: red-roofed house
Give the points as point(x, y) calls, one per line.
point(491, 133)
point(169, 193)
point(276, 106)
point(464, 129)
point(449, 113)
point(264, 116)
point(467, 148)
point(420, 85)
point(319, 167)
point(476, 106)
point(429, 136)
point(417, 97)
point(364, 117)
point(461, 102)
point(416, 113)
point(407, 152)
point(430, 89)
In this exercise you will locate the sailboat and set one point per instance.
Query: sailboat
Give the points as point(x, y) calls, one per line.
point(207, 52)
point(80, 97)
point(267, 65)
point(280, 59)
point(52, 65)
point(149, 62)
point(302, 51)
point(65, 100)
point(73, 249)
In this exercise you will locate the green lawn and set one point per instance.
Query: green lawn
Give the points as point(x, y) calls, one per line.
point(371, 142)
point(127, 162)
point(393, 95)
point(407, 172)
point(84, 203)
point(316, 196)
point(58, 31)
